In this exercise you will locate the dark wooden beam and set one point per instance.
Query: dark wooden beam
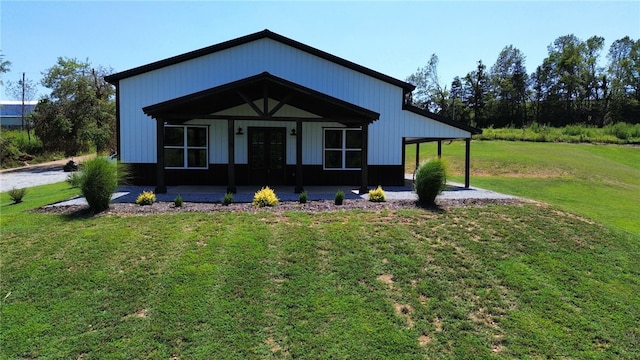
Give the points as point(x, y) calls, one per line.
point(231, 163)
point(185, 117)
point(439, 149)
point(282, 103)
point(364, 182)
point(265, 99)
point(250, 103)
point(417, 156)
point(161, 188)
point(299, 175)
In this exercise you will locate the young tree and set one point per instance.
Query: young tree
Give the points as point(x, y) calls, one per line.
point(4, 66)
point(429, 94)
point(79, 112)
point(25, 91)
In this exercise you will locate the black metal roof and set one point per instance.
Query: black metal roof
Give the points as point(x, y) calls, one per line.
point(249, 38)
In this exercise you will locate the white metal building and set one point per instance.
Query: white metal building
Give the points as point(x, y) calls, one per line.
point(264, 109)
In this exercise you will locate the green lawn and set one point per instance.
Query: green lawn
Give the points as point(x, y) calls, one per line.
point(477, 282)
point(601, 182)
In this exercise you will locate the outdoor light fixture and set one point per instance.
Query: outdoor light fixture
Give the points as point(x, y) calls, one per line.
point(239, 131)
point(293, 132)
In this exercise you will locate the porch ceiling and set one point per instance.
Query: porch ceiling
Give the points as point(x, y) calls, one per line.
point(205, 104)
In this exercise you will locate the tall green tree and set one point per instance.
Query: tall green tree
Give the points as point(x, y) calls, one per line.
point(624, 71)
point(476, 84)
point(509, 83)
point(80, 110)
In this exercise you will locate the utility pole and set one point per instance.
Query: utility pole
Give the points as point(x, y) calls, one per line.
point(22, 102)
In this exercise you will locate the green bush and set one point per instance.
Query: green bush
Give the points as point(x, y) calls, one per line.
point(431, 179)
point(302, 198)
point(74, 179)
point(377, 195)
point(227, 199)
point(146, 198)
point(177, 202)
point(16, 195)
point(98, 179)
point(339, 198)
point(265, 197)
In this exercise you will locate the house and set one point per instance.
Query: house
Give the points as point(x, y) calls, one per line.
point(11, 113)
point(264, 109)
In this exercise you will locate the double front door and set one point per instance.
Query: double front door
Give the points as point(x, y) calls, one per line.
point(267, 155)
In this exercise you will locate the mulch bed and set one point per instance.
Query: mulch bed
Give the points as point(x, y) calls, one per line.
point(309, 207)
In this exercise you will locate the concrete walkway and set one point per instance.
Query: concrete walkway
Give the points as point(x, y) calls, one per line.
point(213, 194)
point(52, 173)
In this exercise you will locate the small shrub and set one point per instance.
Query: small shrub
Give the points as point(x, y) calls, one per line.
point(227, 199)
point(339, 198)
point(377, 195)
point(146, 198)
point(431, 179)
point(177, 202)
point(265, 197)
point(302, 198)
point(16, 195)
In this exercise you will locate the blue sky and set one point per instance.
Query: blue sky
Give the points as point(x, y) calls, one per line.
point(392, 37)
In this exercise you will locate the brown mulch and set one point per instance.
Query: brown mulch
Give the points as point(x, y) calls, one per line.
point(310, 207)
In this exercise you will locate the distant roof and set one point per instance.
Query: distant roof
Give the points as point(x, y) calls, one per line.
point(253, 37)
point(14, 108)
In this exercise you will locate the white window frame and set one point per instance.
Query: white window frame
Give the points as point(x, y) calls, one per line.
point(343, 149)
point(185, 147)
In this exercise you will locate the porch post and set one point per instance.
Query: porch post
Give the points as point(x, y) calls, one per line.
point(439, 149)
point(231, 163)
point(161, 188)
point(417, 156)
point(364, 187)
point(467, 161)
point(299, 182)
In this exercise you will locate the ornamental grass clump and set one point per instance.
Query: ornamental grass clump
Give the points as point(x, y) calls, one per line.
point(98, 180)
point(265, 197)
point(431, 179)
point(146, 198)
point(303, 197)
point(339, 198)
point(227, 199)
point(377, 195)
point(16, 195)
point(177, 202)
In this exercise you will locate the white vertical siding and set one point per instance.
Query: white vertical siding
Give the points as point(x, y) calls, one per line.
point(385, 135)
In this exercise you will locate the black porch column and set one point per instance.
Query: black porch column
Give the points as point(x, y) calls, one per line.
point(299, 188)
point(417, 156)
point(439, 149)
point(364, 186)
point(231, 163)
point(467, 161)
point(161, 188)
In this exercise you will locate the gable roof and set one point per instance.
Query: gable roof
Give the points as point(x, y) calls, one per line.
point(205, 103)
point(114, 78)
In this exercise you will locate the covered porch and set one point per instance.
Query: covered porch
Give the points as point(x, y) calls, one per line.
point(264, 96)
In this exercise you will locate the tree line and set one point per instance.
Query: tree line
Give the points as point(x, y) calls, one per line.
point(78, 115)
point(569, 87)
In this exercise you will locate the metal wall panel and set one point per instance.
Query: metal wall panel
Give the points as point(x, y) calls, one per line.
point(385, 135)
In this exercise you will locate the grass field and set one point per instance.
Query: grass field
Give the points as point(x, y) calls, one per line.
point(518, 281)
point(601, 182)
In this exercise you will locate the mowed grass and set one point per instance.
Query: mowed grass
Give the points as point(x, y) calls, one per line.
point(601, 182)
point(519, 281)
